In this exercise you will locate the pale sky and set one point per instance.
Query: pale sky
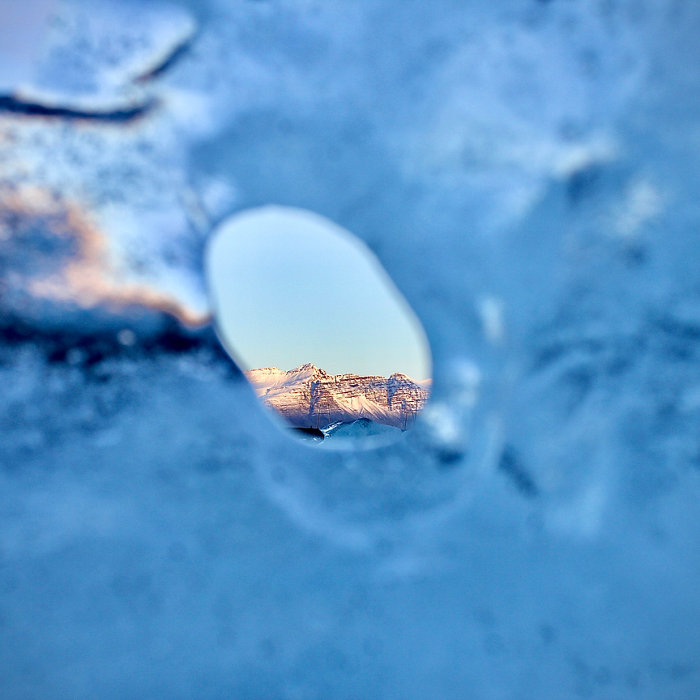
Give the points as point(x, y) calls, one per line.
point(291, 287)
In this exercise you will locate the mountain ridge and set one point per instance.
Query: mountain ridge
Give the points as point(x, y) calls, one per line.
point(309, 397)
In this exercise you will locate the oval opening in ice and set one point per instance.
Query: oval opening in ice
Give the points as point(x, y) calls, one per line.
point(319, 329)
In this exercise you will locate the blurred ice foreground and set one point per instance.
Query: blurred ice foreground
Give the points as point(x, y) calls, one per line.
point(528, 174)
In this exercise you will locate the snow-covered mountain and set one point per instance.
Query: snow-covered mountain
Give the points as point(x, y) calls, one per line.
point(309, 397)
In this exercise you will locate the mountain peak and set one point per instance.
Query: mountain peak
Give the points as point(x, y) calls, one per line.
point(305, 366)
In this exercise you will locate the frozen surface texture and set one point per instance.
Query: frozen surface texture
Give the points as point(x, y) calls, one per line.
point(528, 172)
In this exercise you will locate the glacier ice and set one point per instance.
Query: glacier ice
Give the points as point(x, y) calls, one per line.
point(527, 172)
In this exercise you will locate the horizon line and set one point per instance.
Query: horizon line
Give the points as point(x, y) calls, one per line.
point(313, 364)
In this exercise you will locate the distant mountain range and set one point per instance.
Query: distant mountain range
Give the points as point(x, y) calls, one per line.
point(309, 397)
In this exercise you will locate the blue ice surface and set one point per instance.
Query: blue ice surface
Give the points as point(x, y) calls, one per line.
point(528, 173)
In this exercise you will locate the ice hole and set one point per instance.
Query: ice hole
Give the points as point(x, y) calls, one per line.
point(318, 327)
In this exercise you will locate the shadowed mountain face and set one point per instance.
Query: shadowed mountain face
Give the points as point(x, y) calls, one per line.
point(309, 397)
